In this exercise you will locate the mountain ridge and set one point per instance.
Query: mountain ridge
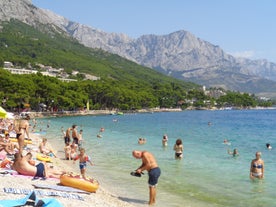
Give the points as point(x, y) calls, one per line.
point(179, 54)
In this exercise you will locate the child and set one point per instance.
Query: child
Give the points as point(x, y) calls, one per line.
point(73, 152)
point(80, 138)
point(83, 159)
point(67, 150)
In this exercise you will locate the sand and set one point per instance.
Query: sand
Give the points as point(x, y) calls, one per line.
point(102, 198)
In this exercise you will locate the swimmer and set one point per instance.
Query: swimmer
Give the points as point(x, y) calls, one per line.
point(140, 141)
point(165, 140)
point(225, 141)
point(235, 153)
point(268, 146)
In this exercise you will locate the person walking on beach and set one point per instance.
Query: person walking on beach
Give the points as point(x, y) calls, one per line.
point(22, 129)
point(83, 160)
point(178, 148)
point(257, 167)
point(149, 163)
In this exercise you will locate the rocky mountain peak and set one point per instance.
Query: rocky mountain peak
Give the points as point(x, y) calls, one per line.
point(179, 54)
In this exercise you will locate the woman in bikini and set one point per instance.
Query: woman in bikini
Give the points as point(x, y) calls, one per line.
point(22, 129)
point(257, 167)
point(178, 148)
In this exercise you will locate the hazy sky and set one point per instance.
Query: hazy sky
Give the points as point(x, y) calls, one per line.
point(240, 27)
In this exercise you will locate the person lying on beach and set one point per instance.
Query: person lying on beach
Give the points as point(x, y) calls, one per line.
point(22, 166)
point(11, 148)
point(83, 159)
point(44, 149)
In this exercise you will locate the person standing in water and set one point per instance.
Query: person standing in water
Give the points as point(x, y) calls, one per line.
point(165, 140)
point(257, 167)
point(178, 148)
point(149, 163)
point(235, 152)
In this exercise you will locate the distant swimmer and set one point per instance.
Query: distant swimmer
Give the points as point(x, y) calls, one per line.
point(142, 140)
point(225, 141)
point(165, 140)
point(101, 129)
point(235, 152)
point(268, 146)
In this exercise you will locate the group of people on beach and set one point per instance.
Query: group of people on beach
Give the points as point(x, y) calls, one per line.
point(71, 148)
point(20, 156)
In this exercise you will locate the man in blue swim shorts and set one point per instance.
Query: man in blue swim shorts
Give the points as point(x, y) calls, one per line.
point(149, 163)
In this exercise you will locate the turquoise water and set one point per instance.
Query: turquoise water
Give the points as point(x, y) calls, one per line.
point(206, 176)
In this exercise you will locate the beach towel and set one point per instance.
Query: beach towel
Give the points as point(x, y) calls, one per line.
point(31, 198)
point(59, 188)
point(43, 193)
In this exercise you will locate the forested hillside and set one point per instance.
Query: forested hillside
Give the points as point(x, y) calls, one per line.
point(123, 84)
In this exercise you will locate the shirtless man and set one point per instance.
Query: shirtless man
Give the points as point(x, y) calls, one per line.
point(21, 131)
point(67, 137)
point(149, 163)
point(75, 134)
point(23, 167)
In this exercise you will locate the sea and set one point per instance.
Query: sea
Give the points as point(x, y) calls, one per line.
point(206, 176)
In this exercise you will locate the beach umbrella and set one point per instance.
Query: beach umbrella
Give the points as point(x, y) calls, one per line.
point(3, 113)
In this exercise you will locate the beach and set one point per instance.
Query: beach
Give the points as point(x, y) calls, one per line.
point(19, 183)
point(191, 181)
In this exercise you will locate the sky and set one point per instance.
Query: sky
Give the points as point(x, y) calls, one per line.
point(243, 28)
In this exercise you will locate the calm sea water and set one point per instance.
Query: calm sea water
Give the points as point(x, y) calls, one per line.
point(206, 176)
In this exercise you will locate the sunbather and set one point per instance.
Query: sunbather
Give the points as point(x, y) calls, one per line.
point(22, 166)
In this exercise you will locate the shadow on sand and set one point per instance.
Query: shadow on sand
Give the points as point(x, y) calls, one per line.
point(132, 200)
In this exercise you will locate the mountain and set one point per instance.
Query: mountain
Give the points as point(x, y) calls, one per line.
point(179, 54)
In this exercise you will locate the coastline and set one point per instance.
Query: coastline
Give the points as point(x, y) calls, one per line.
point(20, 183)
point(151, 110)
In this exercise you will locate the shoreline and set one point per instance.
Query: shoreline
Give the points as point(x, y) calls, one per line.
point(119, 113)
point(20, 183)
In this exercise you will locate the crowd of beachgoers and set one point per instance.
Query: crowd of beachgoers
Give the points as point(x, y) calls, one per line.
point(32, 170)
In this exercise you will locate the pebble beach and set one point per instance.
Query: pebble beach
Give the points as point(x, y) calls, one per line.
point(14, 186)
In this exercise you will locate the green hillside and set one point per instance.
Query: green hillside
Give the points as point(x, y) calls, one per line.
point(124, 84)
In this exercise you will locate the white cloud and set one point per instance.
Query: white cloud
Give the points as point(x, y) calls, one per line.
point(244, 54)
